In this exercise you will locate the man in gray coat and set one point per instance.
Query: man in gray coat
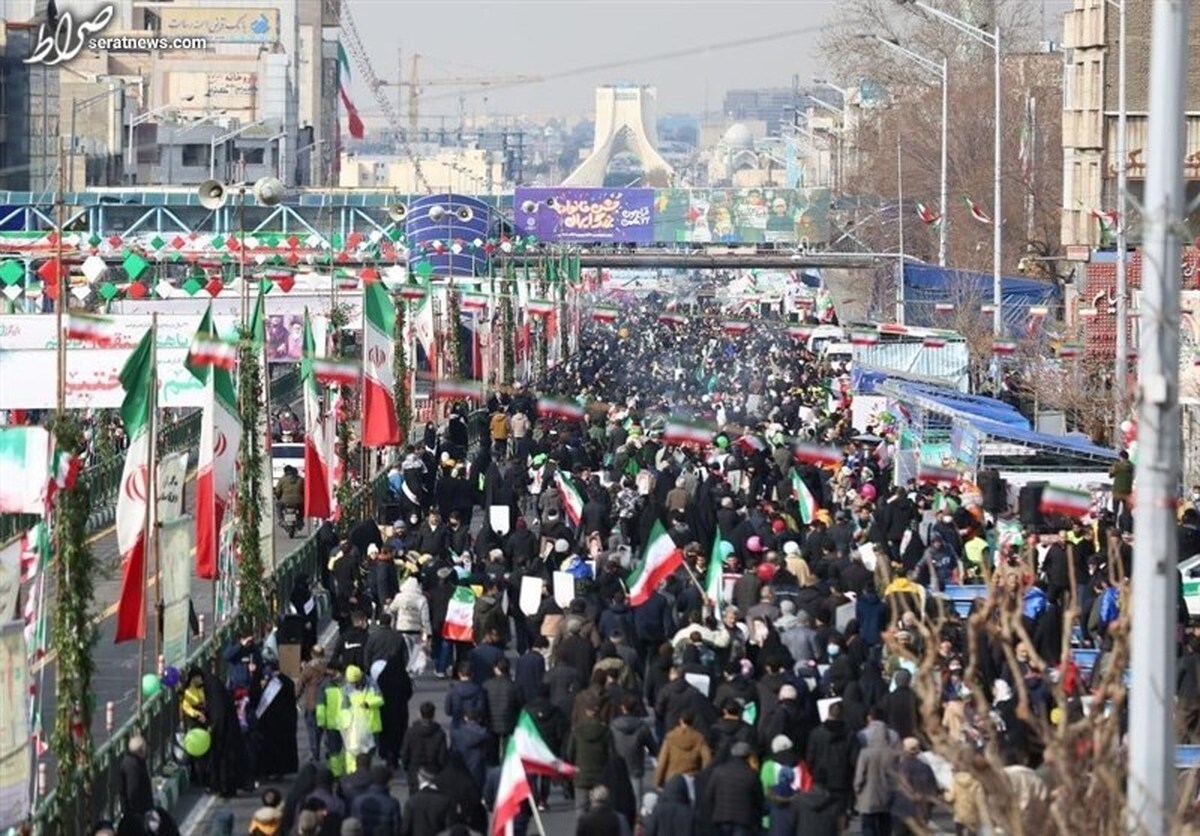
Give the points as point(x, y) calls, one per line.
point(875, 776)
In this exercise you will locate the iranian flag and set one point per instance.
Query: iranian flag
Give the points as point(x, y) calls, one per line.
point(1068, 351)
point(95, 330)
point(1004, 347)
point(928, 474)
point(927, 215)
point(604, 314)
point(672, 319)
point(817, 454)
point(355, 123)
point(572, 499)
point(891, 328)
point(459, 390)
point(423, 330)
point(512, 792)
point(750, 443)
point(380, 427)
point(413, 292)
point(933, 342)
point(560, 408)
point(220, 435)
point(799, 332)
point(977, 211)
point(1066, 501)
point(805, 499)
point(64, 472)
point(207, 350)
point(660, 559)
point(539, 307)
point(687, 432)
point(473, 302)
point(459, 625)
point(23, 469)
point(316, 447)
point(335, 372)
point(535, 755)
point(864, 337)
point(137, 412)
point(713, 576)
point(735, 326)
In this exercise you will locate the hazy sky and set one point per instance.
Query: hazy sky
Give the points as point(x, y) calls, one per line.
point(578, 44)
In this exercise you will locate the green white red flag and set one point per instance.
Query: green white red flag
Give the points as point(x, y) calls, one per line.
point(380, 427)
point(572, 498)
point(99, 331)
point(512, 792)
point(928, 474)
point(535, 754)
point(317, 502)
point(1066, 501)
point(459, 625)
point(659, 560)
point(64, 472)
point(817, 454)
point(687, 432)
point(139, 381)
point(977, 211)
point(335, 372)
point(459, 390)
point(220, 437)
point(560, 408)
point(714, 576)
point(604, 314)
point(208, 350)
point(804, 498)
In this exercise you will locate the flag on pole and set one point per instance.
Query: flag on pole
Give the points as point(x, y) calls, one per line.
point(659, 560)
point(571, 497)
point(335, 372)
point(459, 390)
point(816, 454)
point(316, 449)
point(735, 326)
point(139, 381)
point(473, 302)
point(927, 215)
point(603, 314)
point(266, 485)
point(1068, 351)
point(928, 474)
point(512, 791)
point(713, 576)
point(933, 341)
point(679, 431)
point(863, 337)
point(1108, 223)
point(35, 550)
point(64, 472)
point(977, 211)
point(1066, 501)
point(1004, 347)
point(560, 408)
point(99, 331)
point(805, 499)
point(799, 332)
point(536, 755)
point(355, 122)
point(539, 307)
point(220, 436)
point(380, 427)
point(672, 319)
point(459, 625)
point(207, 350)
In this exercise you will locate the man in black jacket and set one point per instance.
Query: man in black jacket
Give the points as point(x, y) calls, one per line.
point(503, 702)
point(424, 747)
point(834, 750)
point(136, 793)
point(433, 537)
point(734, 794)
point(427, 812)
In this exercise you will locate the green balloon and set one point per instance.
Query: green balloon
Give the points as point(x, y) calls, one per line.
point(722, 442)
point(151, 685)
point(197, 742)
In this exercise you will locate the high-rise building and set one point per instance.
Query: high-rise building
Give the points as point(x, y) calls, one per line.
point(1090, 114)
point(29, 118)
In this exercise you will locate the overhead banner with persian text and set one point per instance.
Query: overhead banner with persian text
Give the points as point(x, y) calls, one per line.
point(15, 762)
point(586, 216)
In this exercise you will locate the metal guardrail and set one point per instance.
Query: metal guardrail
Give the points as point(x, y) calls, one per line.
point(158, 718)
point(103, 480)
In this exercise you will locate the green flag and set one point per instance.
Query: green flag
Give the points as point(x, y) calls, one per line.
point(713, 577)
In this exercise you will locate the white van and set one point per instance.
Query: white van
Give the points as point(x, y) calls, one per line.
point(824, 334)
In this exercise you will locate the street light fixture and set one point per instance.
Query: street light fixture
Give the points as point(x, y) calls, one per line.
point(941, 70)
point(223, 138)
point(990, 39)
point(141, 118)
point(1121, 372)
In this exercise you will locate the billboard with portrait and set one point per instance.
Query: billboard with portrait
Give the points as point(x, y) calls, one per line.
point(741, 216)
point(585, 216)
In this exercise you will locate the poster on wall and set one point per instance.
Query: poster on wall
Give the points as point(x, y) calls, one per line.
point(586, 216)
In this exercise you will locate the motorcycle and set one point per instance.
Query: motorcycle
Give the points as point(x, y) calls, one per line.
point(291, 520)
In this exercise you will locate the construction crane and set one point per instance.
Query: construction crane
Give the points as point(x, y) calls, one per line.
point(414, 85)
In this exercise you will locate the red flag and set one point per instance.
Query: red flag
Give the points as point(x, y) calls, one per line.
point(355, 122)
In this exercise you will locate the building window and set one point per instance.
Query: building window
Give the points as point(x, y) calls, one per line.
point(253, 156)
point(195, 154)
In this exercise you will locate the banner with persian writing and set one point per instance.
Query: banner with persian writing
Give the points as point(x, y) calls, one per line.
point(585, 216)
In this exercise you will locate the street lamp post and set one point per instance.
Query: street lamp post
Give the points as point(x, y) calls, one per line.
point(220, 139)
point(942, 71)
point(1121, 370)
point(77, 106)
point(134, 121)
point(992, 40)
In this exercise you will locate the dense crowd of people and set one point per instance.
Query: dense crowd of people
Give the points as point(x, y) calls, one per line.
point(800, 686)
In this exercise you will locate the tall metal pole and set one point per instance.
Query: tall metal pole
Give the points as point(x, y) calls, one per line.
point(1151, 804)
point(1121, 370)
point(899, 229)
point(945, 163)
point(997, 210)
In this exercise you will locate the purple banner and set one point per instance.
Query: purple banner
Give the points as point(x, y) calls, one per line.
point(595, 216)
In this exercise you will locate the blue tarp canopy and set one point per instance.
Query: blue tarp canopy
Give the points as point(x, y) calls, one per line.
point(865, 380)
point(925, 285)
point(961, 405)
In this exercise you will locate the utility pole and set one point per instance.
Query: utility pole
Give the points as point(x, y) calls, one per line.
point(1121, 372)
point(1151, 785)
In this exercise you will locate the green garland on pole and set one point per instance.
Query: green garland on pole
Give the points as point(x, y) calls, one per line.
point(73, 634)
point(339, 318)
point(454, 332)
point(400, 371)
point(508, 329)
point(251, 573)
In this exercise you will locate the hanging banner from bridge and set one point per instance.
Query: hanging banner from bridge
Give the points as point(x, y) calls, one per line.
point(585, 216)
point(15, 762)
point(29, 363)
point(741, 216)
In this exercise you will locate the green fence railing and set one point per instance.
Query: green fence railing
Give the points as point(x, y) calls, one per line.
point(157, 720)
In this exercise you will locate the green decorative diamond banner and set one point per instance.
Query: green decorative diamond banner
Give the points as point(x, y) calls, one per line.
point(12, 271)
point(134, 265)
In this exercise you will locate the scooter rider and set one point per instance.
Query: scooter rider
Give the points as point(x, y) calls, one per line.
point(289, 491)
